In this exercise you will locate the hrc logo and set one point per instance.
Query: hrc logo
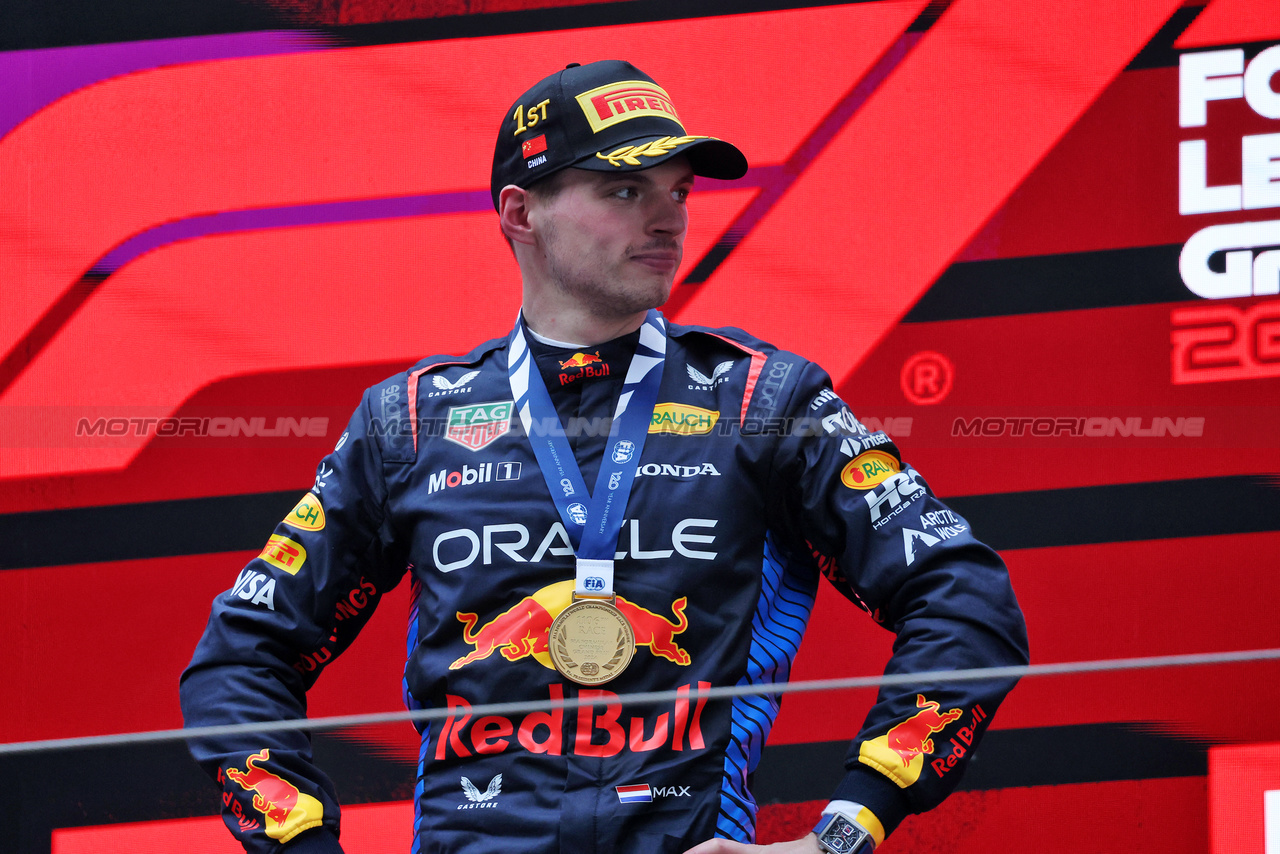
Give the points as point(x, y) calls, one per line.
point(606, 106)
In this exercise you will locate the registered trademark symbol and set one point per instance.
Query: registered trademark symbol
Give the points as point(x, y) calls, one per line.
point(927, 377)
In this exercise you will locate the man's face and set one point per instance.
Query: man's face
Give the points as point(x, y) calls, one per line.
point(613, 241)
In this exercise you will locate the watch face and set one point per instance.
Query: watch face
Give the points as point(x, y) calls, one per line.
point(843, 836)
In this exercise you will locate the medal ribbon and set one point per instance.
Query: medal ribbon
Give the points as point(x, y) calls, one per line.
point(592, 520)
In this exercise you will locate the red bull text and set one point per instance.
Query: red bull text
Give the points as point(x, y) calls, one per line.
point(544, 732)
point(961, 744)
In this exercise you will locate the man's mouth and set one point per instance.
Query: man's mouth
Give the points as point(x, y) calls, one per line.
point(660, 260)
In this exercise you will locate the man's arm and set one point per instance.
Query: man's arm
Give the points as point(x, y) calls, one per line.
point(878, 533)
point(291, 611)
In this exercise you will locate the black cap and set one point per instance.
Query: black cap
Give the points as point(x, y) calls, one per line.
point(607, 116)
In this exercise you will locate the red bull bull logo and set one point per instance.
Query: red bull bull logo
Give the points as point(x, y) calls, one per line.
point(523, 629)
point(581, 360)
point(581, 365)
point(287, 811)
point(595, 732)
point(900, 752)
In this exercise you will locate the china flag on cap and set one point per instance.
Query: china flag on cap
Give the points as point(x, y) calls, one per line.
point(537, 145)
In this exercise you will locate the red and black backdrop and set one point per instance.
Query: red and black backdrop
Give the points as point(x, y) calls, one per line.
point(1013, 231)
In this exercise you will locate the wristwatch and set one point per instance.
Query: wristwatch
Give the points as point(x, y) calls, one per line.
point(840, 834)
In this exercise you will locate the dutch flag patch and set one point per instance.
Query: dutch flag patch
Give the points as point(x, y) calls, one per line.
point(638, 794)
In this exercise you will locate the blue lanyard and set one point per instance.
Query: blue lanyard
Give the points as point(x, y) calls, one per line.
point(592, 520)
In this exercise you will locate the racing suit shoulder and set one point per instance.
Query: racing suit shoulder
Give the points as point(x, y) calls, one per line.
point(440, 360)
point(740, 338)
point(775, 376)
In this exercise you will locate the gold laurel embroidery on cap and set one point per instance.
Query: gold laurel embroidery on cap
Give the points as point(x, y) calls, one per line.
point(629, 154)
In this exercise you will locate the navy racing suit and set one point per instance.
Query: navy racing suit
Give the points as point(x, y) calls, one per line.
point(755, 479)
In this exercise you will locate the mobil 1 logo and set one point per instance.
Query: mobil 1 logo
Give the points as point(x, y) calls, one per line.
point(470, 475)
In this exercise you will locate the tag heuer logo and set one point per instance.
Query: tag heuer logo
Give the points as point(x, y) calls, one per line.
point(476, 426)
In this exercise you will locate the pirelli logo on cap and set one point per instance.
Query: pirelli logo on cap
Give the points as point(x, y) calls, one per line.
point(606, 106)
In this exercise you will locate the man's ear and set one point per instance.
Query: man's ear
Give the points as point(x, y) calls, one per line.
point(513, 214)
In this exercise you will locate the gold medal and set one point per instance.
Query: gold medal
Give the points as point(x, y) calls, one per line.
point(591, 642)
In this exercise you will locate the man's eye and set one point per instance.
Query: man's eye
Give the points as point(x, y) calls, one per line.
point(681, 195)
point(626, 192)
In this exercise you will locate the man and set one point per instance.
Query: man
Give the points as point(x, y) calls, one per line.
point(604, 498)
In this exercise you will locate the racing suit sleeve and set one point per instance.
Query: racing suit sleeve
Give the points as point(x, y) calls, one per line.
point(880, 536)
point(291, 611)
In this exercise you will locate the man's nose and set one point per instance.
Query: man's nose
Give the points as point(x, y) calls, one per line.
point(668, 216)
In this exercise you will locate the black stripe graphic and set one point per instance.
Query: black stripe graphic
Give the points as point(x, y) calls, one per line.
point(1160, 52)
point(1124, 512)
point(1014, 520)
point(557, 18)
point(226, 523)
point(1044, 756)
point(1069, 282)
point(27, 24)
